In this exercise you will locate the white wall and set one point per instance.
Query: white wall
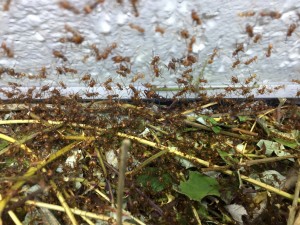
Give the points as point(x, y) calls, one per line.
point(33, 28)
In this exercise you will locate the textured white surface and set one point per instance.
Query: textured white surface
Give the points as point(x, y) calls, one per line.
point(33, 29)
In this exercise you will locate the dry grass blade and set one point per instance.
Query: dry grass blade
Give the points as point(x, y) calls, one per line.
point(31, 171)
point(63, 203)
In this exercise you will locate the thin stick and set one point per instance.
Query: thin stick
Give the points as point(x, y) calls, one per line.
point(122, 169)
point(61, 209)
point(194, 159)
point(30, 172)
point(63, 203)
point(14, 217)
point(293, 208)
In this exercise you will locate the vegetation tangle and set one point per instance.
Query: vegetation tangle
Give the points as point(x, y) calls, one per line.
point(192, 158)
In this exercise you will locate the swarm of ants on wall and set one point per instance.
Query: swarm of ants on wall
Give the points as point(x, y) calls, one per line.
point(51, 119)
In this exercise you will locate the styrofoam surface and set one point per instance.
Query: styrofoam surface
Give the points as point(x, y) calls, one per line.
point(33, 29)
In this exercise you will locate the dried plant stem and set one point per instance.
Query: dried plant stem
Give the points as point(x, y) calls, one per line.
point(30, 172)
point(173, 150)
point(63, 203)
point(14, 217)
point(61, 209)
point(203, 127)
point(294, 206)
point(121, 182)
point(10, 139)
point(266, 160)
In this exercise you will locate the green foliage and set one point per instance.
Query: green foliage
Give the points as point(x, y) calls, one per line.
point(243, 118)
point(199, 186)
point(150, 177)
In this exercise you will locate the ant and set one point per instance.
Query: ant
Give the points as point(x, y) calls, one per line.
point(68, 6)
point(272, 14)
point(249, 61)
point(249, 30)
point(246, 14)
point(119, 59)
point(7, 50)
point(291, 29)
point(136, 27)
point(89, 8)
point(239, 48)
point(236, 63)
point(211, 58)
point(256, 38)
point(134, 3)
point(196, 18)
point(269, 50)
point(160, 30)
point(58, 54)
point(6, 5)
point(86, 77)
point(234, 80)
point(137, 76)
point(192, 42)
point(77, 38)
point(184, 34)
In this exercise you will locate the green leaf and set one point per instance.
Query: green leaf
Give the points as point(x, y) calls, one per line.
point(157, 183)
point(243, 118)
point(199, 186)
point(227, 158)
point(216, 129)
point(290, 144)
point(212, 121)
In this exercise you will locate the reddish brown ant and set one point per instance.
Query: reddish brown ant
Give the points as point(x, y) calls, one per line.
point(272, 14)
point(192, 42)
point(196, 18)
point(119, 59)
point(250, 79)
point(77, 38)
point(249, 30)
point(246, 14)
point(86, 77)
point(6, 5)
point(269, 50)
point(234, 80)
point(8, 51)
point(91, 94)
point(249, 61)
point(62, 84)
point(137, 76)
point(236, 63)
point(291, 29)
point(211, 58)
point(256, 38)
point(68, 6)
point(239, 48)
point(159, 30)
point(89, 8)
point(136, 27)
point(119, 86)
point(92, 83)
point(134, 6)
point(184, 34)
point(58, 54)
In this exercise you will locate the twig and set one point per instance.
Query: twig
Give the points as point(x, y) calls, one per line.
point(14, 217)
point(122, 169)
point(63, 203)
point(61, 209)
point(293, 208)
point(203, 127)
point(266, 160)
point(194, 159)
point(31, 171)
